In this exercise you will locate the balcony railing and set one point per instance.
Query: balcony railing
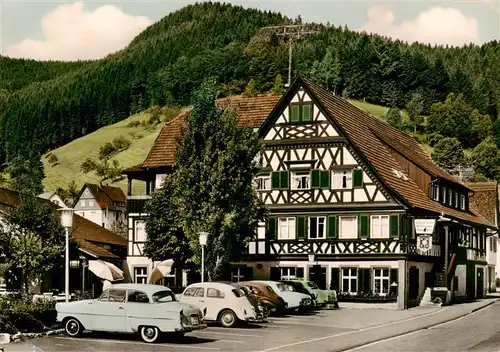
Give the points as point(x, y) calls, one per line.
point(136, 204)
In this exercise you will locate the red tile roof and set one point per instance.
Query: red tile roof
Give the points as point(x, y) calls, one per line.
point(105, 196)
point(250, 112)
point(486, 199)
point(364, 131)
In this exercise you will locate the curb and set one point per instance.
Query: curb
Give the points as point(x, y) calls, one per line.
point(14, 338)
point(420, 329)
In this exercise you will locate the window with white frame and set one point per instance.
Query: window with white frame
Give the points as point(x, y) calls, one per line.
point(288, 273)
point(90, 203)
point(350, 280)
point(237, 275)
point(342, 179)
point(263, 182)
point(286, 228)
point(317, 227)
point(462, 202)
point(140, 231)
point(444, 193)
point(301, 179)
point(381, 281)
point(141, 275)
point(82, 202)
point(379, 226)
point(348, 227)
point(435, 192)
point(457, 200)
point(450, 197)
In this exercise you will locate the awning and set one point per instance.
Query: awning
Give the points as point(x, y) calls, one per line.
point(105, 270)
point(161, 270)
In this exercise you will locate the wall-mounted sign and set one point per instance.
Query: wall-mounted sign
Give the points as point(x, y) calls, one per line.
point(424, 226)
point(424, 243)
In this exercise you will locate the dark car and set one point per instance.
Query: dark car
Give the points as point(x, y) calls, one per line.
point(261, 311)
point(267, 297)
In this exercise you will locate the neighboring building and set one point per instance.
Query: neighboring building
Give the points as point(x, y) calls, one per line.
point(250, 111)
point(54, 198)
point(355, 205)
point(89, 242)
point(486, 200)
point(105, 206)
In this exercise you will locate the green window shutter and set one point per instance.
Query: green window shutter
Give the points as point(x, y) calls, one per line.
point(275, 179)
point(294, 113)
point(272, 228)
point(357, 177)
point(335, 280)
point(332, 227)
point(325, 179)
point(283, 179)
point(301, 227)
point(394, 226)
point(363, 226)
point(315, 179)
point(306, 112)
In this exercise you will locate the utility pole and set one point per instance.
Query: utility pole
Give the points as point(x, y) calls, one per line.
point(292, 32)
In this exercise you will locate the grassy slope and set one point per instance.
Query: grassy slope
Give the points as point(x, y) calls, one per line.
point(72, 155)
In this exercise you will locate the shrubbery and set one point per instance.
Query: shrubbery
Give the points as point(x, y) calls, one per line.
point(18, 314)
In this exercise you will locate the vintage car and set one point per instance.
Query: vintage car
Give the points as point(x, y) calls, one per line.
point(323, 298)
point(149, 310)
point(294, 300)
point(262, 312)
point(275, 304)
point(222, 302)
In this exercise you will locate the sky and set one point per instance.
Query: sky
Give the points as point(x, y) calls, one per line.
point(91, 29)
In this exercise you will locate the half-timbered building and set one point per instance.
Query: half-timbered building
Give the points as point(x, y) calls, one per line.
point(354, 204)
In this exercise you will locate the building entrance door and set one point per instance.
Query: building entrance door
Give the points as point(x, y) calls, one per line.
point(414, 284)
point(480, 282)
point(317, 274)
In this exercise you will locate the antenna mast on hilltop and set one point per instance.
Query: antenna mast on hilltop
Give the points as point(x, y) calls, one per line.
point(290, 32)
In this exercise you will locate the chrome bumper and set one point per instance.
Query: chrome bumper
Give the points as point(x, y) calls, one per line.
point(188, 328)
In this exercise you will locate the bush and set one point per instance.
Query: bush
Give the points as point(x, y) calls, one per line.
point(88, 166)
point(134, 124)
point(23, 315)
point(53, 159)
point(434, 138)
point(106, 150)
point(121, 143)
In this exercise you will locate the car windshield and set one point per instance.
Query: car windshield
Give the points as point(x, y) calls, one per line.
point(290, 288)
point(164, 296)
point(312, 285)
point(237, 292)
point(281, 287)
point(270, 289)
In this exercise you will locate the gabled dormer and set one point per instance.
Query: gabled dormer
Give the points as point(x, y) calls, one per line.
point(449, 194)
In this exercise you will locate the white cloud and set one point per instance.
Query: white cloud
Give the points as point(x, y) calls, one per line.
point(437, 25)
point(71, 33)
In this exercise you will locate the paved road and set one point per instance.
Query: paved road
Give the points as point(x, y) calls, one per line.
point(478, 332)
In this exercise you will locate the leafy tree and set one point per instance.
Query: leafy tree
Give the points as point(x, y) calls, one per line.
point(496, 132)
point(486, 159)
point(212, 182)
point(448, 153)
point(415, 109)
point(278, 85)
point(105, 169)
point(251, 89)
point(394, 118)
point(166, 239)
point(69, 194)
point(26, 175)
point(327, 71)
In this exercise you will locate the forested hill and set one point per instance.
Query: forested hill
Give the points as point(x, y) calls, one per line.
point(45, 105)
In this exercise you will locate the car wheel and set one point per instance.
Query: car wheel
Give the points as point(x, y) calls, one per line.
point(72, 327)
point(149, 334)
point(228, 319)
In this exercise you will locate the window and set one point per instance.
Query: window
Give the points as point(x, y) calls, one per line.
point(342, 179)
point(214, 293)
point(163, 296)
point(237, 275)
point(450, 197)
point(348, 227)
point(141, 275)
point(462, 202)
point(444, 193)
point(350, 280)
point(82, 203)
point(263, 182)
point(140, 231)
point(379, 226)
point(320, 179)
point(317, 227)
point(279, 180)
point(435, 192)
point(493, 244)
point(113, 295)
point(301, 112)
point(190, 291)
point(300, 179)
point(199, 292)
point(286, 228)
point(457, 200)
point(90, 203)
point(288, 273)
point(137, 297)
point(381, 281)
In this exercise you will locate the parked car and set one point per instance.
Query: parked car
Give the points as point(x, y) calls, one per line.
point(294, 300)
point(262, 312)
point(149, 310)
point(267, 297)
point(323, 298)
point(223, 303)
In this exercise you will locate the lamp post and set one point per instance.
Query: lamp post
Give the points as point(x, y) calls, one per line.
point(203, 243)
point(83, 261)
point(67, 223)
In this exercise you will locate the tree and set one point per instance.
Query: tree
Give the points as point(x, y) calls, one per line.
point(278, 85)
point(448, 153)
point(251, 89)
point(394, 118)
point(486, 159)
point(26, 175)
point(327, 71)
point(103, 168)
point(496, 132)
point(212, 185)
point(415, 109)
point(69, 194)
point(166, 239)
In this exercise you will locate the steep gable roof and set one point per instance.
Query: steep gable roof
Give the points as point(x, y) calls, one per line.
point(105, 195)
point(250, 112)
point(486, 199)
point(368, 136)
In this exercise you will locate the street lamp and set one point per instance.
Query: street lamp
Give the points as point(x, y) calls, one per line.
point(67, 223)
point(203, 243)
